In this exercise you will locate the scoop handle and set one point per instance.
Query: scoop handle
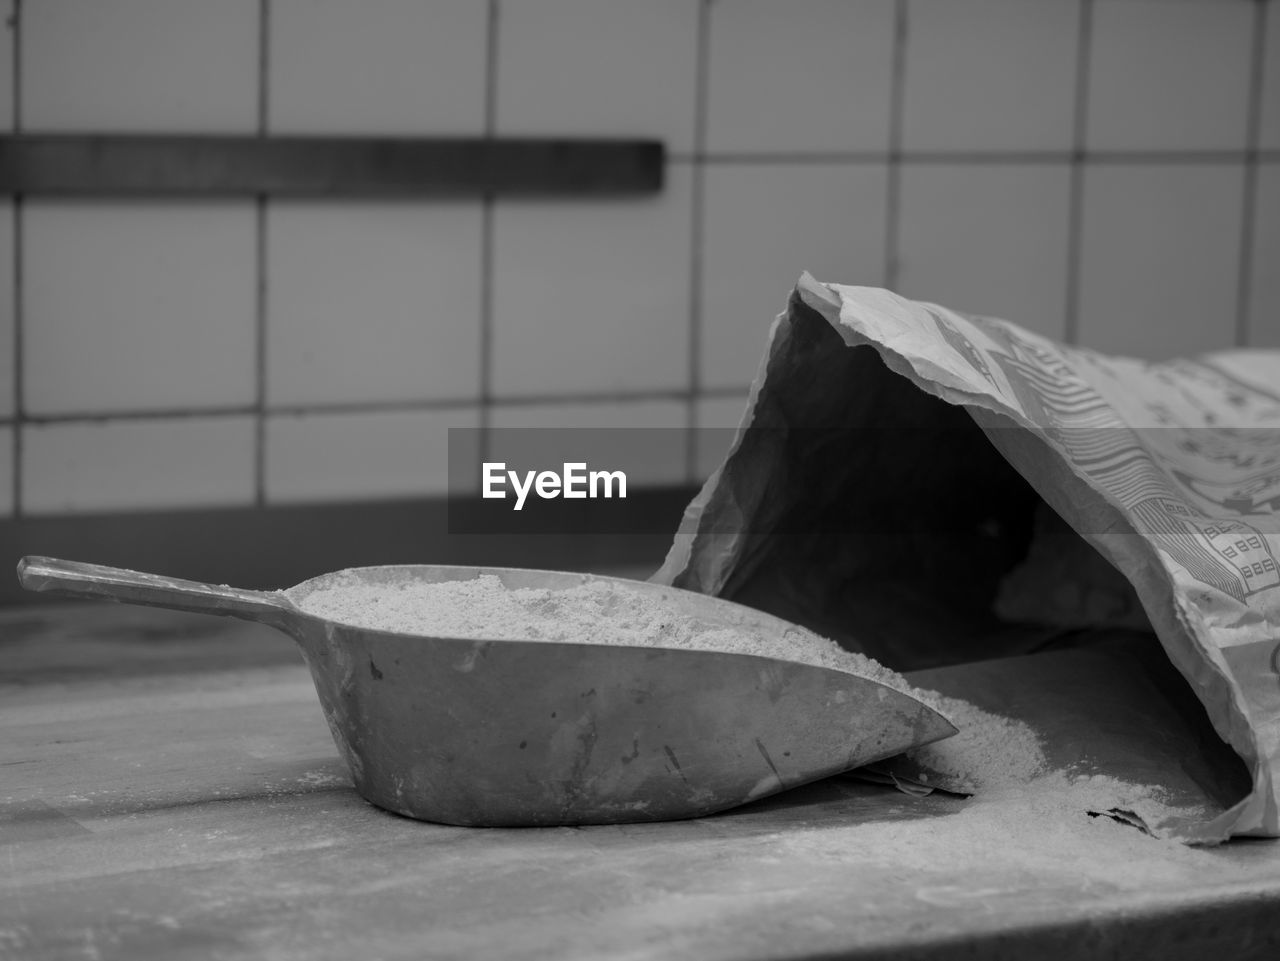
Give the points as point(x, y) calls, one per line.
point(76, 579)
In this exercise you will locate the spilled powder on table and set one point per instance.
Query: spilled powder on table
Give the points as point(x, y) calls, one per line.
point(1024, 818)
point(989, 751)
point(1023, 815)
point(1026, 825)
point(1025, 837)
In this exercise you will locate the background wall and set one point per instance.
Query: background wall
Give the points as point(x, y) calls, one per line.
point(1105, 172)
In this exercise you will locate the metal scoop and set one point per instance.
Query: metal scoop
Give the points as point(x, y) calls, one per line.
point(507, 733)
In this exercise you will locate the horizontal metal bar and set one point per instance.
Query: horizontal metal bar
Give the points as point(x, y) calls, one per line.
point(94, 165)
point(500, 403)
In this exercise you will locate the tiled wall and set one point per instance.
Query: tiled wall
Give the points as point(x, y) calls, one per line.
point(1105, 171)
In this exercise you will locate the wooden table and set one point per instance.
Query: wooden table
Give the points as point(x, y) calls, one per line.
point(169, 790)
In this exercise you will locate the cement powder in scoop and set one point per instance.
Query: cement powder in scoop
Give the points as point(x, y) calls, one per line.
point(596, 612)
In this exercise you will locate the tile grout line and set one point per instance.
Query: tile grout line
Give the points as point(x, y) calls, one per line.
point(260, 270)
point(697, 232)
point(1075, 194)
point(19, 381)
point(18, 413)
point(260, 352)
point(893, 178)
point(487, 214)
point(1249, 187)
point(977, 157)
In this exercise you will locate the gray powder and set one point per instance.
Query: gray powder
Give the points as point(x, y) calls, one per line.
point(595, 612)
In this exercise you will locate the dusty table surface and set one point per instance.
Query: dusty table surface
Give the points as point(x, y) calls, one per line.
point(169, 789)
